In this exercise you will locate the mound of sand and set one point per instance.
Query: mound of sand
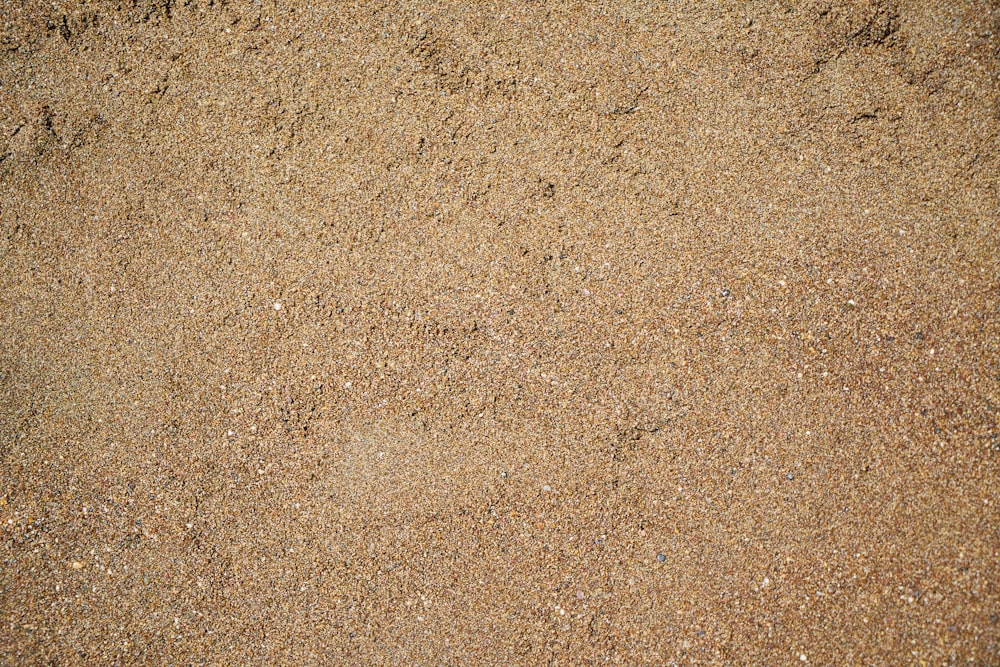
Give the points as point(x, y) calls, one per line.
point(522, 333)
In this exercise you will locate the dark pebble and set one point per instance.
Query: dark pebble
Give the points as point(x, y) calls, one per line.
point(661, 557)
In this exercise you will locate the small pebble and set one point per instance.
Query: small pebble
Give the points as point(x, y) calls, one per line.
point(661, 557)
point(790, 476)
point(277, 306)
point(725, 293)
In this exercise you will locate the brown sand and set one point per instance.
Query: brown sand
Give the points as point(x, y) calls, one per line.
point(527, 333)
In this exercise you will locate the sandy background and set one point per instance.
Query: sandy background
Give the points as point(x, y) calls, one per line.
point(526, 333)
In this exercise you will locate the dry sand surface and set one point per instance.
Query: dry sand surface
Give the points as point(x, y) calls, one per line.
point(523, 333)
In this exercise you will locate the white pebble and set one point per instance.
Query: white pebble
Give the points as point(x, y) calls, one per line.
point(277, 306)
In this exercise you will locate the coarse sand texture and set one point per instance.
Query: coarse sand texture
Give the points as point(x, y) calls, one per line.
point(506, 333)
